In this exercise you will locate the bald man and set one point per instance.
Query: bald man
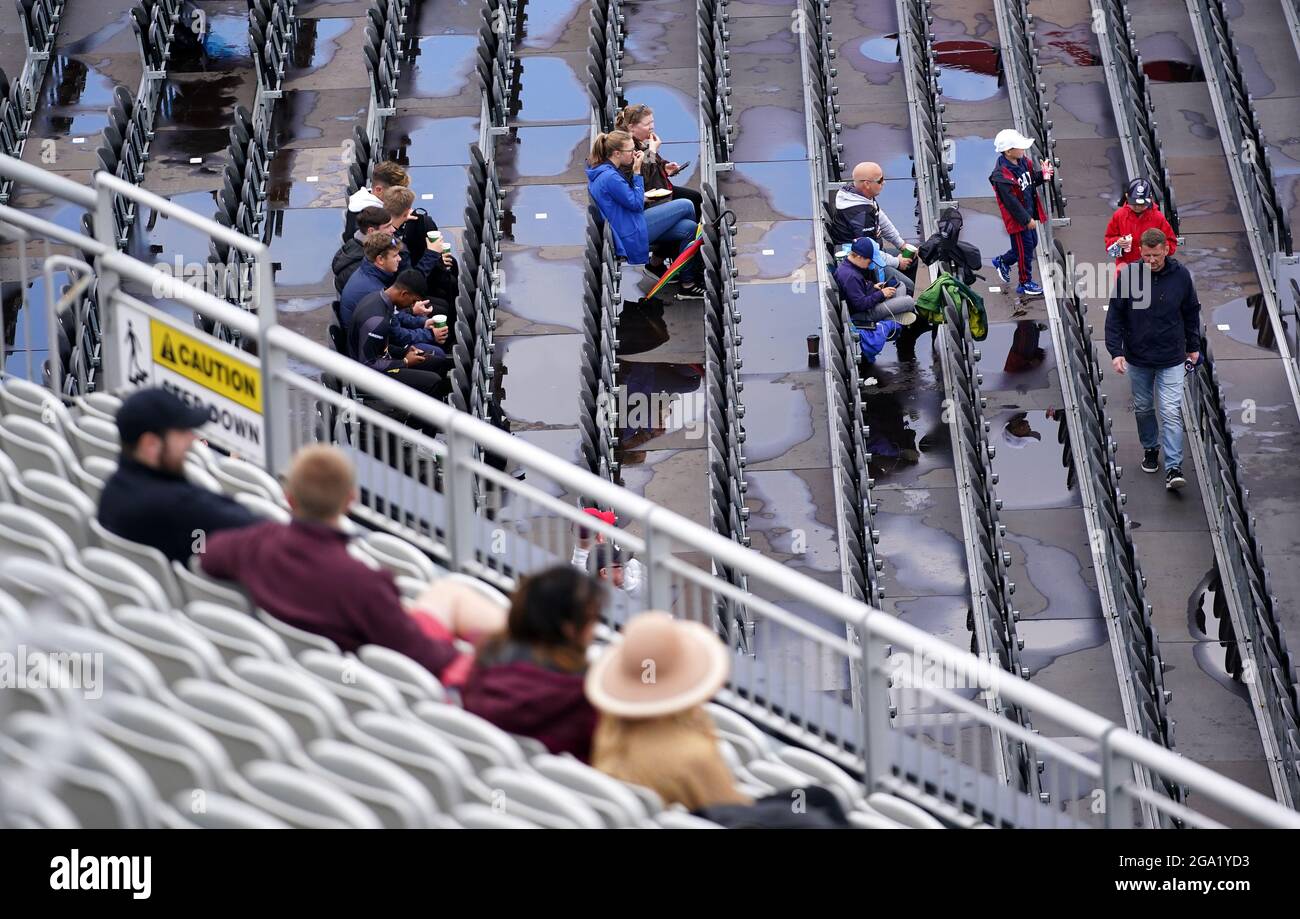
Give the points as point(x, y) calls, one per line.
point(857, 214)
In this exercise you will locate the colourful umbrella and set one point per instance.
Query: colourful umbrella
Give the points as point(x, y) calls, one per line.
point(687, 254)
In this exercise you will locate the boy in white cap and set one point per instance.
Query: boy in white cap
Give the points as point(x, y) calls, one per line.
point(1015, 181)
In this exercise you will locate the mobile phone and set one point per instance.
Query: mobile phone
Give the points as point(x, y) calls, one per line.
point(681, 167)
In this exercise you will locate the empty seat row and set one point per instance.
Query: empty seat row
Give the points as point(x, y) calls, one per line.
point(271, 32)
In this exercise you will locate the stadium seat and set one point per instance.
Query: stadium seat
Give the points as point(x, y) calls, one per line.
point(147, 557)
point(263, 507)
point(237, 476)
point(356, 685)
point(60, 502)
point(482, 817)
point(247, 729)
point(235, 633)
point(119, 580)
point(617, 805)
point(399, 556)
point(47, 590)
point(172, 644)
point(220, 812)
point(906, 813)
point(28, 805)
point(25, 534)
point(424, 753)
point(539, 800)
point(99, 404)
point(198, 474)
point(483, 743)
point(197, 587)
point(680, 820)
point(303, 800)
point(411, 679)
point(399, 800)
point(311, 710)
point(298, 640)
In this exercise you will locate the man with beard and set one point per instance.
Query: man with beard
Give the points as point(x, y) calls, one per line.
point(148, 500)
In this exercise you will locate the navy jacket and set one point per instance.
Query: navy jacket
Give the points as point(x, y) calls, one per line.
point(368, 333)
point(622, 203)
point(165, 511)
point(1157, 321)
point(408, 328)
point(857, 287)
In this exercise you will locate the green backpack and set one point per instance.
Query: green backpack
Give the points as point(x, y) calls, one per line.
point(929, 305)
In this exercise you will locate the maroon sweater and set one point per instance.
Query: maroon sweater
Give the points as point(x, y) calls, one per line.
point(301, 574)
point(519, 695)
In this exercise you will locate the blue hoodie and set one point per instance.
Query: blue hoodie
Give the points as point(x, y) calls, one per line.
point(407, 329)
point(622, 204)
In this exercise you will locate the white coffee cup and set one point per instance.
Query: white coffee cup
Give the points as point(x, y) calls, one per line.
point(439, 321)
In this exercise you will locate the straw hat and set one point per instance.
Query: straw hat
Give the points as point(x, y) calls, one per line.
point(662, 666)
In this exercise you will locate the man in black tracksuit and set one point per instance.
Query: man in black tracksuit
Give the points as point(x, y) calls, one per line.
point(1153, 327)
point(369, 336)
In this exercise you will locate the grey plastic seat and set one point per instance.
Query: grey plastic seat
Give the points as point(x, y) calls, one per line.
point(12, 612)
point(8, 473)
point(398, 799)
point(304, 800)
point(98, 472)
point(778, 775)
point(824, 773)
point(904, 812)
point(870, 820)
point(26, 399)
point(399, 556)
point(124, 668)
point(48, 591)
point(99, 783)
point(246, 728)
point(539, 800)
point(33, 445)
point(58, 501)
point(411, 679)
point(263, 507)
point(749, 741)
point(99, 404)
point(172, 644)
point(235, 633)
point(425, 754)
point(147, 557)
point(120, 580)
point(310, 709)
point(176, 753)
point(28, 805)
point(485, 744)
point(482, 817)
point(198, 474)
point(221, 812)
point(488, 592)
point(617, 805)
point(91, 436)
point(25, 533)
point(358, 686)
point(297, 639)
point(196, 586)
point(238, 476)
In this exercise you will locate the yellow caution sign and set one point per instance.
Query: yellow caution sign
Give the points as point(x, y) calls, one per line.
point(212, 369)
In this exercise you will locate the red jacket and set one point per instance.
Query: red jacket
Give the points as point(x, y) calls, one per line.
point(1013, 201)
point(1124, 221)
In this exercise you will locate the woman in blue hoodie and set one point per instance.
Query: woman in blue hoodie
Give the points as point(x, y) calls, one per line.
point(615, 183)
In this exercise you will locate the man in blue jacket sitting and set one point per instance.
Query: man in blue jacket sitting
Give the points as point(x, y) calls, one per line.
point(1153, 327)
point(378, 270)
point(861, 280)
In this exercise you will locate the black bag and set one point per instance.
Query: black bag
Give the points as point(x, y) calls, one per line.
point(808, 808)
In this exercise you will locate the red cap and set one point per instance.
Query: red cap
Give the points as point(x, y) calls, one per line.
point(606, 516)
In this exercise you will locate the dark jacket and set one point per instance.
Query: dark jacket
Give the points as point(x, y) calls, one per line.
point(521, 694)
point(1015, 185)
point(165, 511)
point(818, 809)
point(621, 200)
point(346, 260)
point(857, 287)
point(408, 329)
point(301, 574)
point(369, 333)
point(856, 215)
point(1154, 319)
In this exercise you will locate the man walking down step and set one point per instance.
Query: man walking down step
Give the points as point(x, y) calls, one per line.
point(1153, 329)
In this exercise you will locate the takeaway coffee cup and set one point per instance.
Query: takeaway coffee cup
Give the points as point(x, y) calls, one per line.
point(909, 250)
point(436, 240)
point(439, 321)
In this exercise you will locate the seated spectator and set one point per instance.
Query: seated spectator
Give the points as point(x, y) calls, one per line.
point(148, 500)
point(351, 254)
point(438, 266)
point(861, 280)
point(378, 270)
point(858, 214)
point(616, 185)
point(301, 572)
point(639, 121)
point(529, 680)
point(384, 176)
point(370, 341)
point(652, 729)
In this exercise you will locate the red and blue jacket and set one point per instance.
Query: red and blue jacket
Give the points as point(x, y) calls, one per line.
point(1015, 185)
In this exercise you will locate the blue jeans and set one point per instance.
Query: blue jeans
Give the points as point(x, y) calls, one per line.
point(1167, 384)
point(673, 221)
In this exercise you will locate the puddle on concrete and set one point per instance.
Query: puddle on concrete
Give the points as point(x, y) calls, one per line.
point(969, 69)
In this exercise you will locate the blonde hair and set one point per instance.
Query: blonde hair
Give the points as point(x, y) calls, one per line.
point(675, 756)
point(397, 201)
point(631, 115)
point(605, 144)
point(320, 483)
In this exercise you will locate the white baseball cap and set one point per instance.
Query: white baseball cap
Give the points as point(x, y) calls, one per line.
point(1010, 138)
